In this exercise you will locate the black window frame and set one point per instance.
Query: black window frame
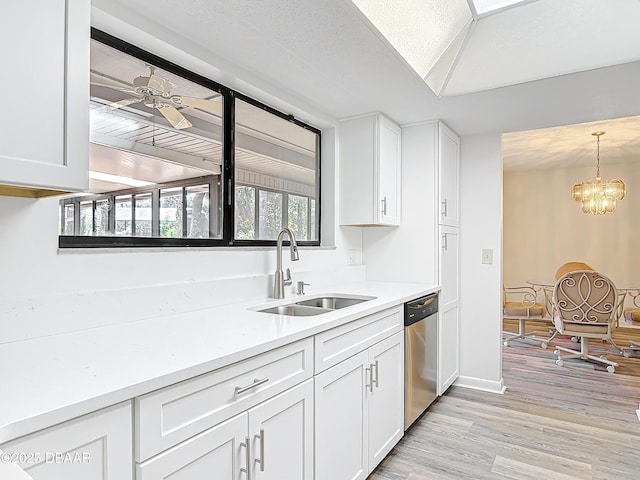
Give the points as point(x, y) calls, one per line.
point(228, 168)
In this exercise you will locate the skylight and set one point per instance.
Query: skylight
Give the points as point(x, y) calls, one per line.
point(430, 34)
point(487, 6)
point(464, 46)
point(420, 31)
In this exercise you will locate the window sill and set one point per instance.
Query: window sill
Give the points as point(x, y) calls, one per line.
point(116, 250)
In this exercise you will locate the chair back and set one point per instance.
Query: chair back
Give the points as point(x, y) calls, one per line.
point(585, 297)
point(571, 267)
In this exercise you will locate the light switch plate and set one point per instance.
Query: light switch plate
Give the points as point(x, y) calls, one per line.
point(351, 257)
point(487, 256)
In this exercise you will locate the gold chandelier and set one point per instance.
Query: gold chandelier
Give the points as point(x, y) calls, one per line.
point(598, 196)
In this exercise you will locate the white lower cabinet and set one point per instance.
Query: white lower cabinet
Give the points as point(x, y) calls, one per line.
point(216, 453)
point(252, 420)
point(264, 418)
point(281, 436)
point(359, 411)
point(386, 397)
point(275, 440)
point(97, 446)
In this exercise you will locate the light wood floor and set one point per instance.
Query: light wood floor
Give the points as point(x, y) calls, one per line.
point(571, 422)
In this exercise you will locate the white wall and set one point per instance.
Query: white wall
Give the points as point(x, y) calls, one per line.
point(481, 285)
point(33, 268)
point(544, 227)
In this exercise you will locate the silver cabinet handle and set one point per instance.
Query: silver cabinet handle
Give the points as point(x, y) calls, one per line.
point(444, 241)
point(444, 207)
point(369, 374)
point(255, 383)
point(376, 378)
point(261, 459)
point(247, 458)
point(384, 205)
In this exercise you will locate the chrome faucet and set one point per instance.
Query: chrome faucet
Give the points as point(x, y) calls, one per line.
point(280, 281)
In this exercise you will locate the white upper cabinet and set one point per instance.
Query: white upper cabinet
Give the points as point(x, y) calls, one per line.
point(44, 144)
point(370, 171)
point(449, 164)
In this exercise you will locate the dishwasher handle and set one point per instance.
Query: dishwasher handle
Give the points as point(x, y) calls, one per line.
point(420, 308)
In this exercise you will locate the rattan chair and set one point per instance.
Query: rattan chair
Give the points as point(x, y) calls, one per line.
point(585, 304)
point(520, 303)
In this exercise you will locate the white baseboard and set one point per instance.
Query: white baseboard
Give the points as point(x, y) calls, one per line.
point(481, 384)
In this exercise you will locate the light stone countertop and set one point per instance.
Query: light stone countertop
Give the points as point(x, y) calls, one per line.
point(53, 379)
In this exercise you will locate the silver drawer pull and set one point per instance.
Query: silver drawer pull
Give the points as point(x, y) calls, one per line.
point(255, 383)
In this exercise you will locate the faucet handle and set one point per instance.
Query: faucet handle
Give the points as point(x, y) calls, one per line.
point(286, 281)
point(301, 287)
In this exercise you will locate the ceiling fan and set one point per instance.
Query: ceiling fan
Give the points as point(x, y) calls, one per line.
point(155, 92)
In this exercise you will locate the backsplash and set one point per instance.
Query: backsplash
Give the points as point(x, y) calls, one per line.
point(41, 316)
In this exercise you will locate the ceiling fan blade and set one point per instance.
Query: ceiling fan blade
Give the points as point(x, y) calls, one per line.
point(213, 106)
point(115, 105)
point(129, 90)
point(174, 117)
point(124, 103)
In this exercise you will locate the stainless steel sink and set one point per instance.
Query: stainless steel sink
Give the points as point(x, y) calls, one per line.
point(316, 306)
point(334, 302)
point(294, 310)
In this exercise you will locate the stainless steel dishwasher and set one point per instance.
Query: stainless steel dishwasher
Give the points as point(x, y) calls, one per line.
point(421, 356)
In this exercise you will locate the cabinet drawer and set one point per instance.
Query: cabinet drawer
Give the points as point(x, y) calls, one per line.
point(341, 342)
point(168, 416)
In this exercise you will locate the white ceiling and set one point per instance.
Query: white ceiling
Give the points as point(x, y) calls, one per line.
point(573, 146)
point(464, 46)
point(326, 58)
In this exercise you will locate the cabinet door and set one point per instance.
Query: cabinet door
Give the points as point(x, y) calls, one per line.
point(449, 266)
point(449, 163)
point(281, 430)
point(389, 172)
point(448, 317)
point(386, 397)
point(448, 349)
point(341, 421)
point(370, 172)
point(220, 453)
point(97, 446)
point(45, 136)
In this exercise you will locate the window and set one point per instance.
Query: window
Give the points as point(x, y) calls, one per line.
point(181, 210)
point(176, 159)
point(275, 173)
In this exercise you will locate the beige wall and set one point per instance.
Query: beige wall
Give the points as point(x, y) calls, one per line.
point(543, 227)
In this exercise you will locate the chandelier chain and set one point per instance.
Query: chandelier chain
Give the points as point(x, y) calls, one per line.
point(598, 159)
